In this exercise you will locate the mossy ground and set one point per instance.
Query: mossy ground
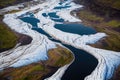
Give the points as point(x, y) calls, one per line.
point(109, 3)
point(58, 57)
point(8, 39)
point(111, 27)
point(5, 3)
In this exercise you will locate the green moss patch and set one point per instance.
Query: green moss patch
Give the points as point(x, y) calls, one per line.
point(8, 39)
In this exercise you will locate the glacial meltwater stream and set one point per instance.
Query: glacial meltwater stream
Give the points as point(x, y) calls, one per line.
point(84, 63)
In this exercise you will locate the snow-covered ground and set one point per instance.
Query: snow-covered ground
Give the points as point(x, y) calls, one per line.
point(108, 60)
point(24, 55)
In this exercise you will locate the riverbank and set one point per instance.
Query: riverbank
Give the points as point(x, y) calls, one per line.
point(7, 38)
point(111, 27)
point(10, 38)
point(58, 57)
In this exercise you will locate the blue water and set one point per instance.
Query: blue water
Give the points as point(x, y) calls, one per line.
point(62, 2)
point(58, 20)
point(31, 20)
point(75, 28)
point(62, 7)
point(53, 16)
point(44, 14)
point(27, 14)
point(42, 32)
point(84, 63)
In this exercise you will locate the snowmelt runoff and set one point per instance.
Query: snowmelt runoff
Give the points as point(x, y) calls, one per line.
point(37, 50)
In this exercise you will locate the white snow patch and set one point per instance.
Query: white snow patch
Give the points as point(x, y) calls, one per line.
point(58, 75)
